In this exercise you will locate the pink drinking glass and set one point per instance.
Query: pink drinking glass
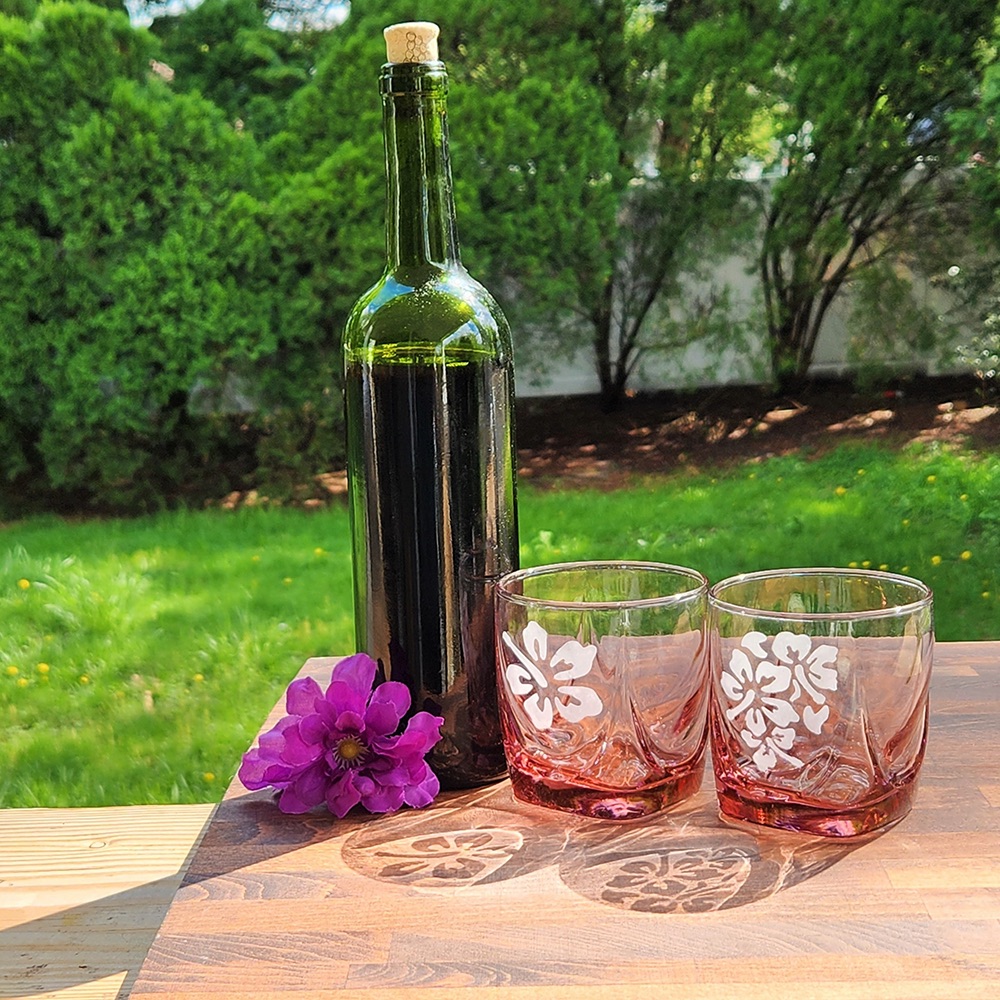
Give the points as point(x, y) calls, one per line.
point(820, 683)
point(603, 683)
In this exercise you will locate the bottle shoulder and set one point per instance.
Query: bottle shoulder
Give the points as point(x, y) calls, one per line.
point(434, 309)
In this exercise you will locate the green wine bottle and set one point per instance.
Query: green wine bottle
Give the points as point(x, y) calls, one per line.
point(429, 391)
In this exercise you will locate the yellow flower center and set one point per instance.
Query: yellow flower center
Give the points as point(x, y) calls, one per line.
point(351, 751)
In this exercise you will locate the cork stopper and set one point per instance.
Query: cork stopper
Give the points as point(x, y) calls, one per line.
point(412, 42)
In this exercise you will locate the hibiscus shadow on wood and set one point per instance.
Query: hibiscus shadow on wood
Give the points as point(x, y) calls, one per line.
point(685, 860)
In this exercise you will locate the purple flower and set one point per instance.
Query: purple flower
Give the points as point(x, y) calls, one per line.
point(340, 746)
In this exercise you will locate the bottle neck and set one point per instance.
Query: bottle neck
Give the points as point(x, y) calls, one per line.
point(420, 208)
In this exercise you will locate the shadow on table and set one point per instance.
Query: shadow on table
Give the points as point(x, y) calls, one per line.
point(685, 860)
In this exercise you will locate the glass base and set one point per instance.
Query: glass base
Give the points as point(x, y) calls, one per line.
point(607, 803)
point(798, 817)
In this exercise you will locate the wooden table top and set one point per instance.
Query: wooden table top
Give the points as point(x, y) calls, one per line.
point(83, 893)
point(482, 895)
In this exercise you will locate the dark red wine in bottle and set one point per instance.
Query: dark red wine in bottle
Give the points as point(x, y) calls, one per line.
point(431, 459)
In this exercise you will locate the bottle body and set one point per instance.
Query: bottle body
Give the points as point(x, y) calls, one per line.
point(429, 397)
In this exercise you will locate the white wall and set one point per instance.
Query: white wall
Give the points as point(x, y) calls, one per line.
point(694, 366)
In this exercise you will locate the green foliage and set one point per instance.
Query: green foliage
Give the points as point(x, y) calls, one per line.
point(865, 106)
point(224, 50)
point(180, 256)
point(124, 295)
point(972, 272)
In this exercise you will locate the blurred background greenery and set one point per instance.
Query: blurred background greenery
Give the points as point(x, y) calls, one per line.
point(192, 199)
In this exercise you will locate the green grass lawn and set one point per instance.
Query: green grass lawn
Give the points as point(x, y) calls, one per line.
point(138, 657)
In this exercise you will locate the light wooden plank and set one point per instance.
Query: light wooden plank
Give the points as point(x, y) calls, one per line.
point(83, 892)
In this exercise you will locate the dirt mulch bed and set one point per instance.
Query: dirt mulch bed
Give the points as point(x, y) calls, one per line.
point(569, 441)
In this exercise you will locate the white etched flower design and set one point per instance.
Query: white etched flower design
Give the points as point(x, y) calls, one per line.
point(544, 683)
point(775, 689)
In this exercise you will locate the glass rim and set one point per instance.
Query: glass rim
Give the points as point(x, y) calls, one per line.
point(550, 569)
point(923, 600)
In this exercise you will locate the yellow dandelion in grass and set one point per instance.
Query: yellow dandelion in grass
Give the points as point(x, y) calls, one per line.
point(287, 580)
point(12, 671)
point(861, 472)
point(853, 564)
point(198, 678)
point(866, 564)
point(883, 566)
point(42, 668)
point(24, 584)
point(319, 551)
point(932, 478)
point(208, 776)
point(964, 497)
point(84, 679)
point(22, 682)
point(935, 560)
point(906, 522)
point(965, 556)
point(985, 595)
point(255, 559)
point(840, 490)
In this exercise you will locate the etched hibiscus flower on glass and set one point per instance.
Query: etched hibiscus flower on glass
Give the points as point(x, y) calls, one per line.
point(603, 685)
point(342, 746)
point(767, 679)
point(820, 680)
point(544, 680)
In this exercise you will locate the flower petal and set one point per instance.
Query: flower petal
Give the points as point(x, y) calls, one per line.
point(536, 641)
point(342, 796)
point(539, 711)
point(773, 678)
point(756, 722)
point(788, 647)
point(780, 712)
point(313, 728)
point(765, 758)
point(518, 679)
point(252, 770)
point(381, 719)
point(782, 738)
point(342, 697)
point(822, 667)
point(754, 641)
point(358, 671)
point(349, 722)
point(813, 718)
point(383, 799)
point(422, 792)
point(298, 751)
point(578, 703)
point(739, 666)
point(306, 792)
point(302, 695)
point(272, 742)
point(579, 657)
point(392, 693)
point(421, 733)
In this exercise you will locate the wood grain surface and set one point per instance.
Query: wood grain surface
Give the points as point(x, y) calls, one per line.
point(480, 895)
point(83, 892)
